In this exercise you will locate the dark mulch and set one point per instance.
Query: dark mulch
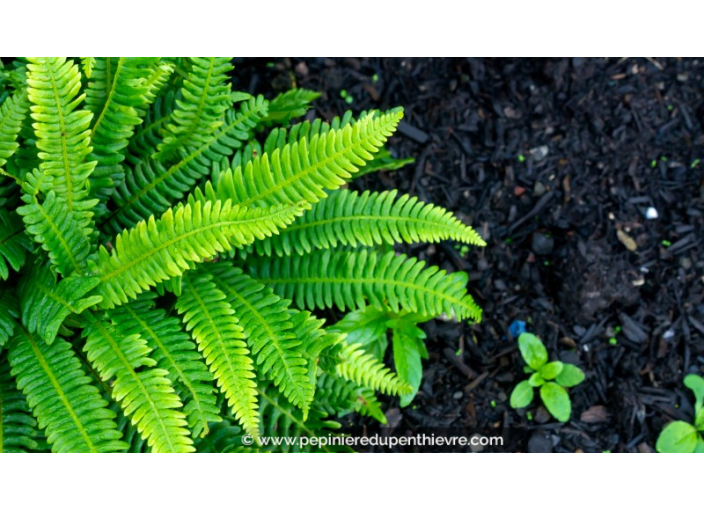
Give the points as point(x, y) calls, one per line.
point(549, 159)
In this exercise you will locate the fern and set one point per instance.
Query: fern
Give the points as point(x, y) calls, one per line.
point(66, 404)
point(180, 333)
point(146, 396)
point(206, 96)
point(158, 250)
point(174, 352)
point(212, 321)
point(347, 218)
point(18, 429)
point(349, 280)
point(303, 170)
point(266, 322)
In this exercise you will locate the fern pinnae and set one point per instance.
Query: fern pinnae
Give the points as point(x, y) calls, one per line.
point(369, 219)
point(212, 323)
point(304, 169)
point(62, 398)
point(158, 250)
point(356, 365)
point(151, 186)
point(12, 114)
point(350, 279)
point(205, 97)
point(18, 429)
point(173, 351)
point(269, 332)
point(146, 396)
point(13, 243)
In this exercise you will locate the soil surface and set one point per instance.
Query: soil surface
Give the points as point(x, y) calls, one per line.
point(557, 163)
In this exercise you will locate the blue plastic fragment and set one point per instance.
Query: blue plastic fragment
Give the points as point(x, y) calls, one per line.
point(517, 328)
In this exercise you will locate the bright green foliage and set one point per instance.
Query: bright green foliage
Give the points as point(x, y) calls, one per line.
point(345, 219)
point(266, 322)
point(66, 404)
point(302, 170)
point(174, 352)
point(145, 304)
point(357, 366)
point(683, 437)
point(145, 394)
point(206, 96)
point(120, 91)
point(212, 322)
point(158, 250)
point(45, 304)
point(551, 377)
point(12, 114)
point(350, 279)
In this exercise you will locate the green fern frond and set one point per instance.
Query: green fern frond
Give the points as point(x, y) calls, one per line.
point(289, 105)
point(52, 225)
point(224, 437)
point(174, 352)
point(144, 393)
point(268, 329)
point(364, 369)
point(158, 250)
point(213, 324)
point(347, 218)
point(205, 97)
point(45, 304)
point(301, 171)
point(127, 96)
point(9, 313)
point(12, 114)
point(13, 243)
point(151, 187)
point(350, 279)
point(62, 397)
point(147, 136)
point(18, 429)
point(62, 130)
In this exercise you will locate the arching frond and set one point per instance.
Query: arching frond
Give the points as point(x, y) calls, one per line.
point(12, 114)
point(18, 429)
point(347, 218)
point(268, 329)
point(45, 304)
point(62, 130)
point(212, 323)
point(158, 250)
point(351, 279)
point(61, 396)
point(175, 352)
point(303, 170)
point(144, 393)
point(52, 225)
point(120, 93)
point(205, 97)
point(364, 369)
point(151, 187)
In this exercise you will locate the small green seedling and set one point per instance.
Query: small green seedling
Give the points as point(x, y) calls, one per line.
point(551, 377)
point(683, 437)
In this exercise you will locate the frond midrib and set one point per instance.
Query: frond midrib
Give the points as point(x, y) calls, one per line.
point(64, 145)
point(174, 364)
point(57, 387)
point(57, 234)
point(133, 375)
point(112, 92)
